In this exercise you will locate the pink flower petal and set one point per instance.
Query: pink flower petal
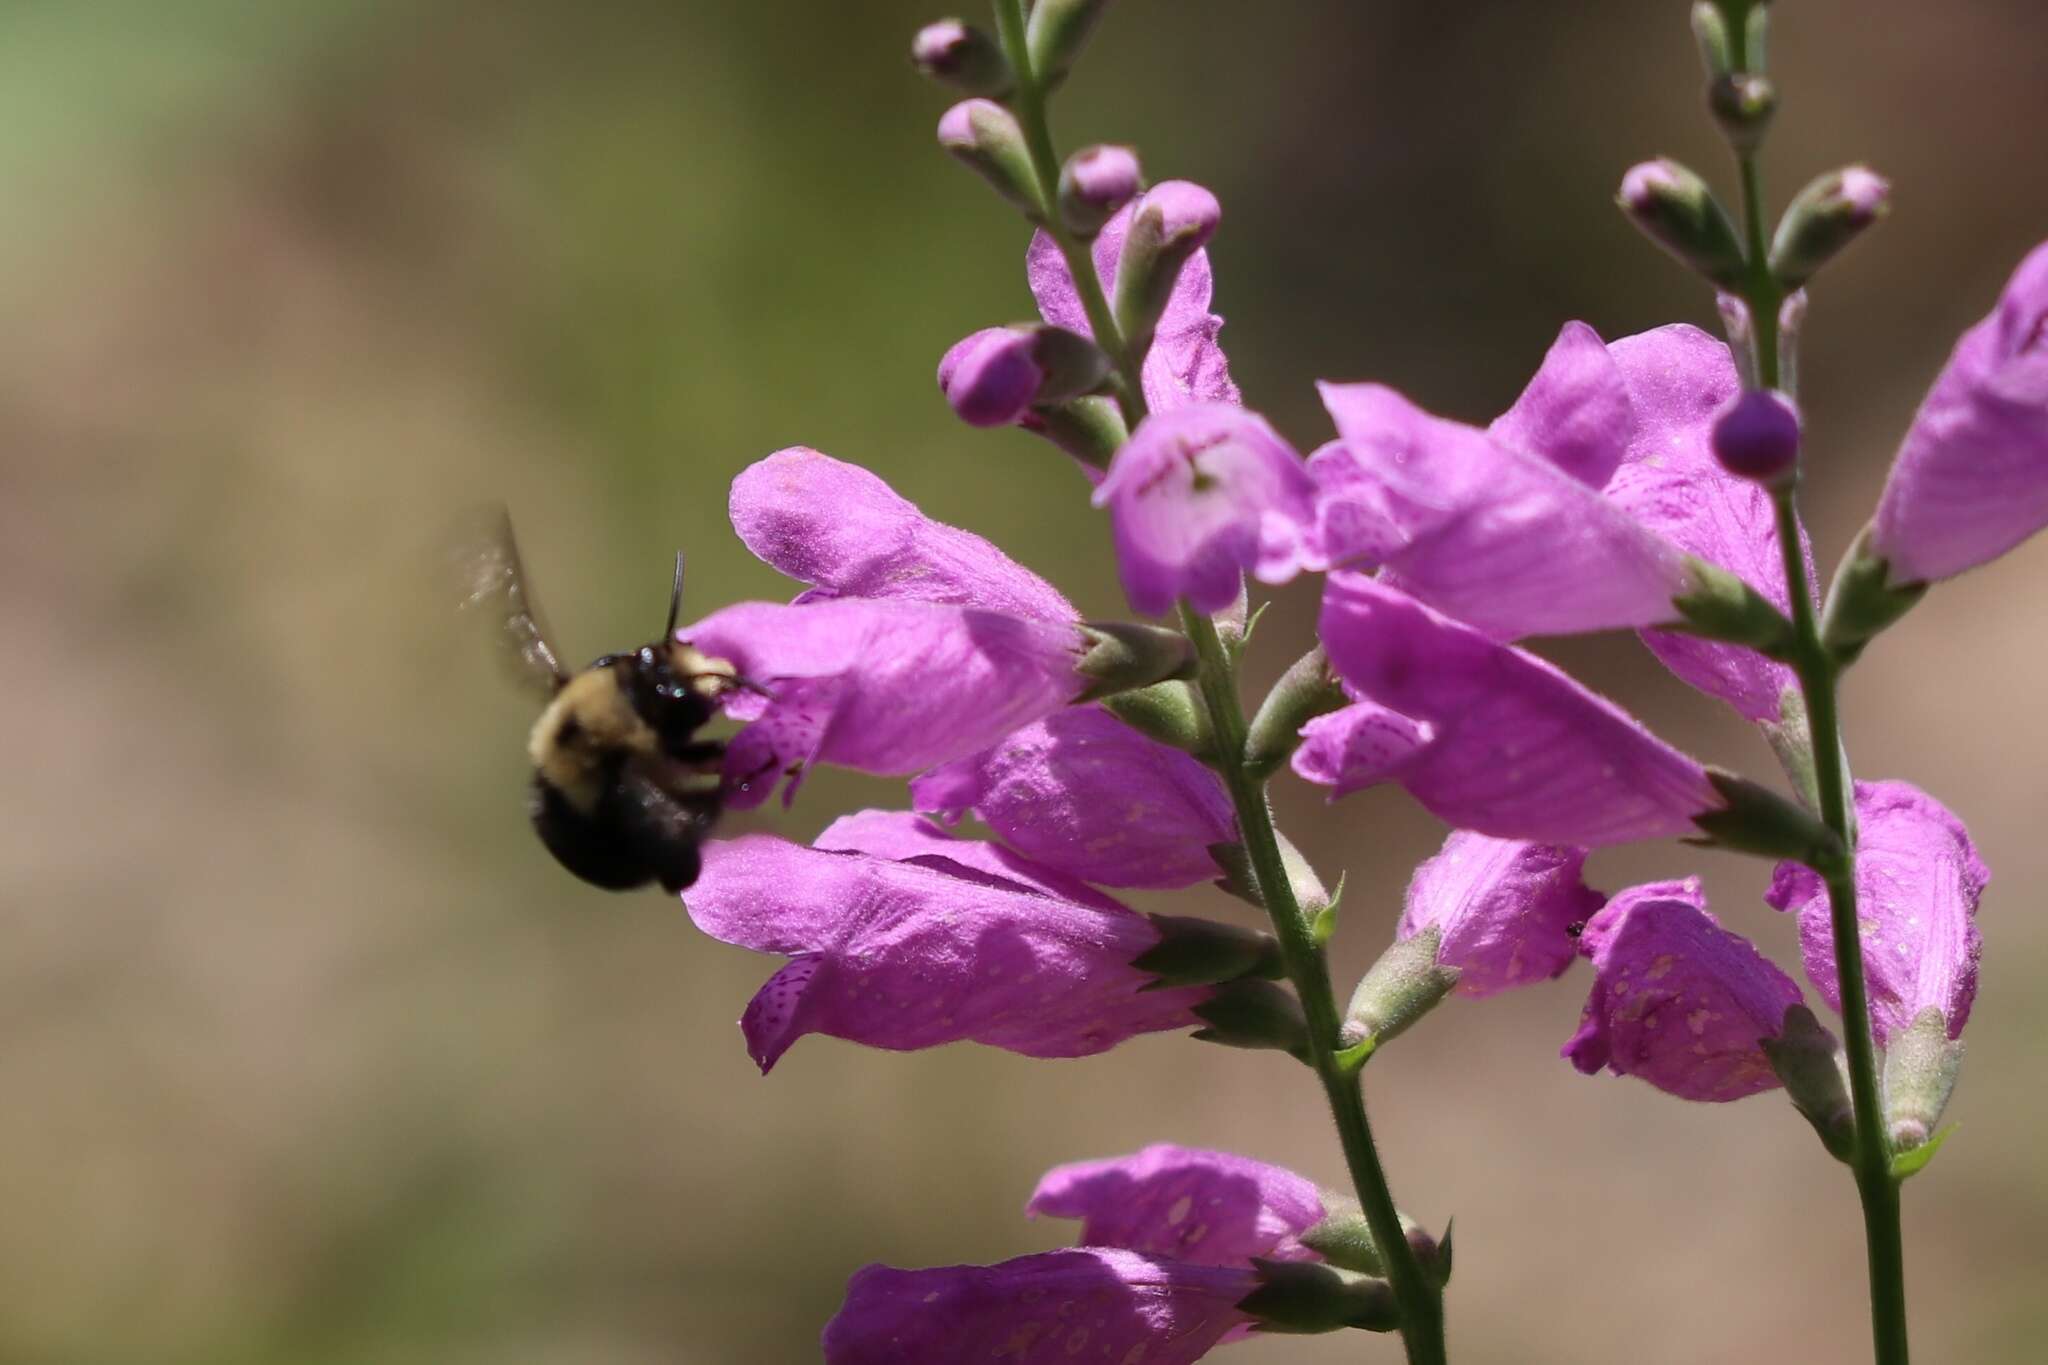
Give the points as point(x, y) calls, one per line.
point(1677, 1000)
point(1503, 907)
point(1918, 882)
point(1517, 749)
point(1575, 412)
point(1185, 1204)
point(1083, 792)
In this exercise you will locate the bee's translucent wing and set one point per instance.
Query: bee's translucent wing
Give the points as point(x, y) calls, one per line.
point(492, 584)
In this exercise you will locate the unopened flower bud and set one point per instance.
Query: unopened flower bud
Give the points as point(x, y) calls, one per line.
point(1826, 216)
point(1756, 437)
point(1305, 691)
point(1920, 1067)
point(1172, 222)
point(1253, 1013)
point(987, 138)
point(995, 376)
point(1344, 1238)
point(1094, 184)
point(1203, 952)
point(1406, 983)
point(1742, 103)
point(1675, 209)
point(1301, 1297)
point(1718, 605)
point(1123, 655)
point(1059, 30)
point(991, 377)
point(963, 57)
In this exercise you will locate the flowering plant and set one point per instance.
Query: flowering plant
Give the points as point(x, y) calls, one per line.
point(1647, 484)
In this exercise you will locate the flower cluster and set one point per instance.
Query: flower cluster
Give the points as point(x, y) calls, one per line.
point(1637, 485)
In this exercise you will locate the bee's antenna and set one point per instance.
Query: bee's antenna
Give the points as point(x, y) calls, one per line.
point(675, 599)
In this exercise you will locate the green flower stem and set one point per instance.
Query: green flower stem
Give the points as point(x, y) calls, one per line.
point(1418, 1295)
point(1420, 1298)
point(1819, 680)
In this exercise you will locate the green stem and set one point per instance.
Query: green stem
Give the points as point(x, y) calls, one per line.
point(1419, 1297)
point(1819, 680)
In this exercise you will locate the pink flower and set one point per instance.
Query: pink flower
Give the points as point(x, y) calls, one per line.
point(1492, 535)
point(1199, 495)
point(1503, 908)
point(844, 531)
point(1168, 1238)
point(1918, 882)
point(903, 938)
point(1092, 1303)
point(882, 686)
point(1185, 363)
point(1971, 478)
point(1679, 379)
point(1187, 1204)
point(1507, 745)
point(1085, 793)
point(1358, 746)
point(1677, 1000)
point(1575, 412)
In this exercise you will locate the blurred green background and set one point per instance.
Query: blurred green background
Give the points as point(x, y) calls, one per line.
point(311, 1055)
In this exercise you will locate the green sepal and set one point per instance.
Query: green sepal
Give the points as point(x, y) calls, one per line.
point(1193, 951)
point(1863, 602)
point(1344, 1239)
point(1322, 926)
point(1406, 983)
point(1090, 429)
point(1908, 1164)
point(1124, 656)
point(1169, 712)
point(1920, 1069)
point(1720, 606)
point(1351, 1060)
point(1755, 819)
point(1306, 1297)
point(1309, 688)
point(1808, 1060)
point(1257, 1014)
point(1791, 739)
point(1710, 29)
point(1239, 881)
point(994, 148)
point(1073, 365)
point(1439, 1265)
point(1058, 31)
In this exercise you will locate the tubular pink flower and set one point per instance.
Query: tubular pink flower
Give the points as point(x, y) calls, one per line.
point(843, 530)
point(1093, 1304)
point(1187, 1204)
point(1186, 363)
point(1503, 909)
point(1679, 379)
point(1497, 537)
point(1358, 746)
point(906, 952)
point(886, 687)
point(1677, 1000)
point(1198, 496)
point(1971, 478)
point(1514, 748)
point(1083, 792)
point(1918, 882)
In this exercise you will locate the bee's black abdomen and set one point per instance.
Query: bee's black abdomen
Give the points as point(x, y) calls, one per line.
point(595, 849)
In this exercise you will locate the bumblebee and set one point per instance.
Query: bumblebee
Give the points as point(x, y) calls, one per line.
point(625, 790)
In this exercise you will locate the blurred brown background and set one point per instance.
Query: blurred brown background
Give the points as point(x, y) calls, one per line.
point(309, 1053)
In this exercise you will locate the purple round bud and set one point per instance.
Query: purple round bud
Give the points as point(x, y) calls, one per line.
point(991, 377)
point(938, 47)
point(1757, 436)
point(1095, 183)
